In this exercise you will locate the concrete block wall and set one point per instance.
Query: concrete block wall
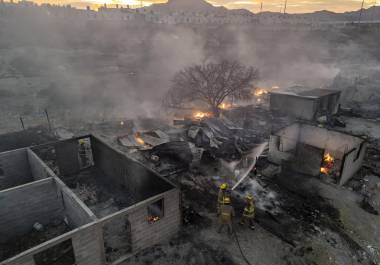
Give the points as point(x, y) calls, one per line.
point(21, 261)
point(23, 206)
point(14, 169)
point(48, 198)
point(144, 234)
point(300, 107)
point(87, 244)
point(41, 201)
point(334, 142)
point(352, 163)
point(75, 210)
point(38, 168)
point(109, 161)
point(137, 179)
point(275, 155)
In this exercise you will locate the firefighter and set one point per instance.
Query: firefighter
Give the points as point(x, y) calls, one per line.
point(249, 212)
point(227, 212)
point(221, 196)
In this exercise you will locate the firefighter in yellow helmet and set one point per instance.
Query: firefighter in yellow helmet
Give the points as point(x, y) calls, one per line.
point(249, 212)
point(222, 194)
point(227, 212)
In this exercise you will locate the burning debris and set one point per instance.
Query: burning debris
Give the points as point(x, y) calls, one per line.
point(308, 150)
point(258, 92)
point(261, 94)
point(328, 164)
point(200, 115)
point(144, 140)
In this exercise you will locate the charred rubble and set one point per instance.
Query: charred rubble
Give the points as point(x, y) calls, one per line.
point(197, 154)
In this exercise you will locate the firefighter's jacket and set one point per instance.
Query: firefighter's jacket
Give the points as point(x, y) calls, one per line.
point(221, 196)
point(226, 214)
point(249, 210)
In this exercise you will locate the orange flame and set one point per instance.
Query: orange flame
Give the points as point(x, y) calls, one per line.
point(324, 170)
point(139, 140)
point(260, 92)
point(225, 106)
point(199, 115)
point(328, 158)
point(328, 163)
point(153, 219)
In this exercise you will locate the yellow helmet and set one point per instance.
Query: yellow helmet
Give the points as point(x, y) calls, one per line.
point(227, 200)
point(81, 141)
point(224, 186)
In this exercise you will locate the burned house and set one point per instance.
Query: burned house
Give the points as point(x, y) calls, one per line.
point(305, 104)
point(79, 201)
point(317, 151)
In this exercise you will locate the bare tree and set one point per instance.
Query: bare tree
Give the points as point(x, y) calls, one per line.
point(211, 83)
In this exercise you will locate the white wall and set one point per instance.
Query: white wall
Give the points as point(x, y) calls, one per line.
point(282, 143)
point(15, 169)
point(338, 144)
point(333, 142)
point(299, 107)
point(351, 166)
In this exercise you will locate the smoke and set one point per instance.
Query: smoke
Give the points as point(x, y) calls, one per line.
point(99, 69)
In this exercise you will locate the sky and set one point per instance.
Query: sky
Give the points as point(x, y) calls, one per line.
point(293, 6)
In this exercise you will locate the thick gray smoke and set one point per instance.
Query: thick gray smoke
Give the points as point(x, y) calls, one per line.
point(98, 69)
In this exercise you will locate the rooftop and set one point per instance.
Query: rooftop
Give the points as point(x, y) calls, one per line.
point(307, 92)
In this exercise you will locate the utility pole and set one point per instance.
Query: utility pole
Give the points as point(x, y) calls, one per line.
point(361, 12)
point(261, 7)
point(48, 119)
point(22, 123)
point(286, 4)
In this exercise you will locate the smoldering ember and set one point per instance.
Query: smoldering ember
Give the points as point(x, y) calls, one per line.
point(189, 132)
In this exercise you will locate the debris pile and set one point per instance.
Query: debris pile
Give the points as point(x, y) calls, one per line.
point(221, 138)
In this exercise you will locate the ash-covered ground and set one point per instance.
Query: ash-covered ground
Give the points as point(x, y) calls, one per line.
point(300, 220)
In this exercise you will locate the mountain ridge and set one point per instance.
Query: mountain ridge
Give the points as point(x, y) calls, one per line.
point(372, 13)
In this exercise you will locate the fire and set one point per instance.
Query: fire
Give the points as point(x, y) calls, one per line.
point(324, 170)
point(201, 115)
point(260, 92)
point(328, 163)
point(138, 139)
point(153, 219)
point(328, 158)
point(225, 106)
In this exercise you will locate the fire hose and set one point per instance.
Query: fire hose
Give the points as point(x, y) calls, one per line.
point(241, 251)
